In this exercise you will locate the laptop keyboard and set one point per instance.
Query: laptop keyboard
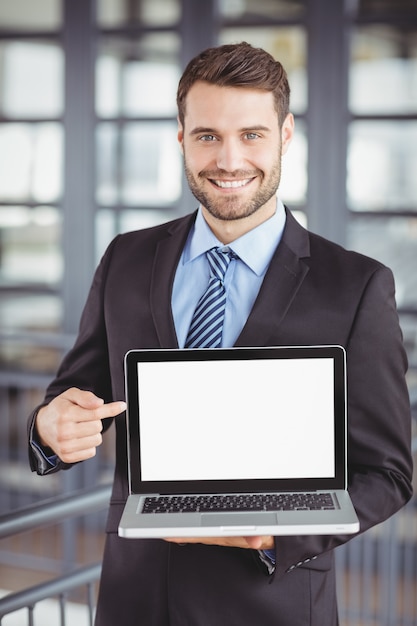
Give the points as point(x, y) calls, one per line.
point(240, 502)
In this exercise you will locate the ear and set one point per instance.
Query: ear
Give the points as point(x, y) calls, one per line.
point(180, 135)
point(287, 132)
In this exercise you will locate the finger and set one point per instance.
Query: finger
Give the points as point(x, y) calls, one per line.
point(254, 542)
point(84, 411)
point(79, 449)
point(260, 542)
point(81, 429)
point(111, 409)
point(88, 400)
point(85, 399)
point(78, 456)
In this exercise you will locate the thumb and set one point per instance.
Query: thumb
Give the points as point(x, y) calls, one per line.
point(254, 542)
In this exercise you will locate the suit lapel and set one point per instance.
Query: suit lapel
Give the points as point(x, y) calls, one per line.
point(167, 256)
point(281, 283)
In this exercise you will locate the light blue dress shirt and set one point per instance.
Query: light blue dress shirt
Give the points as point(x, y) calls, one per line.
point(243, 277)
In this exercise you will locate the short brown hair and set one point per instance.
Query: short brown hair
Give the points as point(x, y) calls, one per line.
point(237, 65)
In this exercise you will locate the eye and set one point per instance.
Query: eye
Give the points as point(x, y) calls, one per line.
point(207, 138)
point(251, 136)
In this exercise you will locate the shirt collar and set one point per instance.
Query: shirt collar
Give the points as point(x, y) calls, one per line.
point(255, 248)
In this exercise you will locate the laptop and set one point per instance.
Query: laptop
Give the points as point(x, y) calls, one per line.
point(237, 442)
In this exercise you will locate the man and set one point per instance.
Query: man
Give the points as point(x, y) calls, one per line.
point(284, 286)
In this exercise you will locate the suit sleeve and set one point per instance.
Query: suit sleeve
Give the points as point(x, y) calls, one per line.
point(379, 424)
point(86, 366)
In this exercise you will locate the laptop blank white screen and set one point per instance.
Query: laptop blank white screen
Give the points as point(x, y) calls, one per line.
point(245, 419)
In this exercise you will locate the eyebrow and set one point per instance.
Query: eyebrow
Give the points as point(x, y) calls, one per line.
point(199, 130)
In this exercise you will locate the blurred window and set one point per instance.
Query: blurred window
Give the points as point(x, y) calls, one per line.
point(31, 186)
point(24, 317)
point(383, 70)
point(266, 9)
point(17, 14)
point(139, 164)
point(138, 78)
point(393, 241)
point(31, 79)
point(30, 245)
point(382, 166)
point(113, 13)
point(382, 151)
point(30, 162)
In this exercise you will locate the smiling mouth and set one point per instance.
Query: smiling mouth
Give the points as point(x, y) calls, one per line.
point(231, 184)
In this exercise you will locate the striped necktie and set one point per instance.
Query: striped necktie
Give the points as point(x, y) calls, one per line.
point(207, 323)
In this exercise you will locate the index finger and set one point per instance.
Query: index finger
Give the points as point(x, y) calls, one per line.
point(111, 409)
point(84, 414)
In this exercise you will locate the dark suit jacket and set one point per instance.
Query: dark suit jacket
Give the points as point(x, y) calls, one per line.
point(314, 292)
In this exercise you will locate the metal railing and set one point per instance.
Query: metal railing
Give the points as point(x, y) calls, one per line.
point(59, 588)
point(48, 512)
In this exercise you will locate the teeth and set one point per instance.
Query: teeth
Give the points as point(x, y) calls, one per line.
point(228, 184)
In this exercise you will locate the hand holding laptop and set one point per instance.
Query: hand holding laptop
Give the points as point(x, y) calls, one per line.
point(254, 543)
point(71, 424)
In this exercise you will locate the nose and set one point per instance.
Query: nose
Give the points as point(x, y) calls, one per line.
point(230, 155)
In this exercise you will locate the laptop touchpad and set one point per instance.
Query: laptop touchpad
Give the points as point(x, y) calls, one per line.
point(238, 519)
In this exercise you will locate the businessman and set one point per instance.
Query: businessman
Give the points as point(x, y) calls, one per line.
point(283, 286)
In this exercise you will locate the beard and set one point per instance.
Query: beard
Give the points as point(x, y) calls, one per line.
point(233, 207)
